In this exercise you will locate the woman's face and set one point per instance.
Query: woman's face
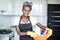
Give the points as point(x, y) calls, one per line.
point(26, 11)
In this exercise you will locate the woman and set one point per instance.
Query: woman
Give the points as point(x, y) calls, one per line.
point(25, 23)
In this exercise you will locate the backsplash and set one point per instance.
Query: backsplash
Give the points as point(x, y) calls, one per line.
point(9, 20)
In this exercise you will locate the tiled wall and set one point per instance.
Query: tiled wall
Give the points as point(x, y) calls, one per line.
point(9, 20)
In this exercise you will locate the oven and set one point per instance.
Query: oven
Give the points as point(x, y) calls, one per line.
point(7, 32)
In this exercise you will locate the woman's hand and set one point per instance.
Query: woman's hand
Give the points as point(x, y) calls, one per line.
point(32, 34)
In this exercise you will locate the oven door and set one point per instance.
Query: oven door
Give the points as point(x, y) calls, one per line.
point(11, 37)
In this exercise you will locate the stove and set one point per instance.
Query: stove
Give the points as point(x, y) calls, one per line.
point(5, 31)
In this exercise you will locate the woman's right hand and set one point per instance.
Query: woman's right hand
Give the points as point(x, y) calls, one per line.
point(32, 34)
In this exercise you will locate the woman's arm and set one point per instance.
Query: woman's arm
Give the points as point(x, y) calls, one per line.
point(41, 26)
point(19, 32)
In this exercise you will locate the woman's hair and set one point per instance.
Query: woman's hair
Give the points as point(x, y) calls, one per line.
point(27, 4)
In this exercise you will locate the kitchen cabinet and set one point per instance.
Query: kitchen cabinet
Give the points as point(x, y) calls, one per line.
point(14, 7)
point(7, 7)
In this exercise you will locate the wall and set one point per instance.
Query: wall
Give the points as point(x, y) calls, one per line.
point(9, 20)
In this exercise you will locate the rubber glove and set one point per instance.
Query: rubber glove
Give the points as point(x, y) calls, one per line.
point(32, 34)
point(49, 33)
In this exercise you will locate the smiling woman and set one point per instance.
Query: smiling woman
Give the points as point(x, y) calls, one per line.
point(24, 24)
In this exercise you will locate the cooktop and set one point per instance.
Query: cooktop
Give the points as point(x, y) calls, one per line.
point(5, 31)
